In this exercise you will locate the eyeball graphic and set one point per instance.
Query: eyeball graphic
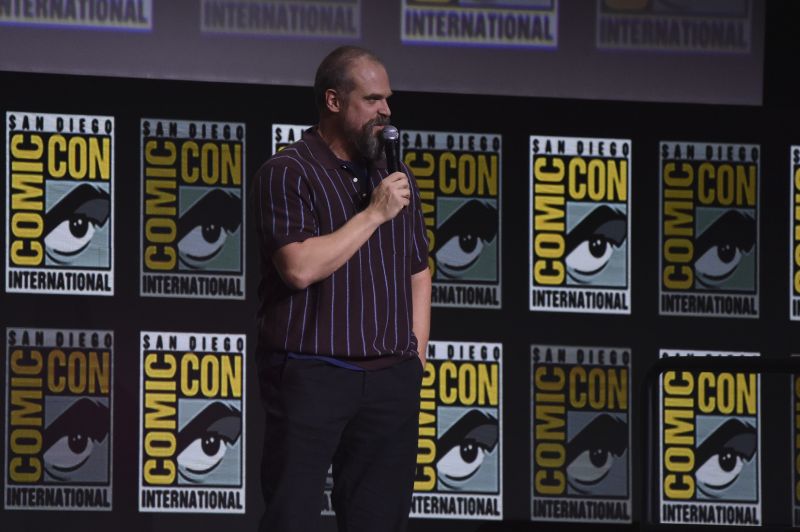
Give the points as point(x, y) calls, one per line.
point(722, 246)
point(463, 448)
point(71, 439)
point(204, 442)
point(592, 242)
point(723, 455)
point(463, 236)
point(204, 228)
point(71, 223)
point(592, 452)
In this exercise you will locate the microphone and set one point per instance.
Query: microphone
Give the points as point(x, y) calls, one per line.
point(391, 145)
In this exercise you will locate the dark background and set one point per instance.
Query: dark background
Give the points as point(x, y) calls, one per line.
point(771, 125)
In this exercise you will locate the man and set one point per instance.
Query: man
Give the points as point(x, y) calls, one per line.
point(344, 312)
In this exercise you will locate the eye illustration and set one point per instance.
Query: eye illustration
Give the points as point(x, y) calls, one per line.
point(463, 236)
point(591, 243)
point(722, 456)
point(592, 452)
point(463, 448)
point(204, 228)
point(721, 247)
point(71, 438)
point(70, 224)
point(204, 441)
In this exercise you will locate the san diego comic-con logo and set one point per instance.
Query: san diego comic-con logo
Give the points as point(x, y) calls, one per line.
point(794, 234)
point(580, 434)
point(193, 211)
point(59, 204)
point(460, 449)
point(710, 445)
point(58, 422)
point(192, 423)
point(579, 249)
point(285, 134)
point(687, 26)
point(459, 176)
point(708, 231)
point(283, 18)
point(528, 24)
point(125, 15)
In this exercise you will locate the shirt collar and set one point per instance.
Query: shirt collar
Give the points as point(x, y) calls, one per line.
point(324, 154)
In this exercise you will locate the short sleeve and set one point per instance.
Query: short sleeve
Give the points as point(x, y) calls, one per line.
point(419, 249)
point(283, 206)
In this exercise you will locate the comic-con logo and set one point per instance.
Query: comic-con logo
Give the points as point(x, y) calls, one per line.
point(459, 455)
point(685, 25)
point(59, 204)
point(192, 209)
point(134, 15)
point(710, 444)
point(283, 18)
point(459, 180)
point(794, 234)
point(58, 429)
point(579, 248)
point(580, 431)
point(708, 233)
point(191, 423)
point(285, 134)
point(529, 24)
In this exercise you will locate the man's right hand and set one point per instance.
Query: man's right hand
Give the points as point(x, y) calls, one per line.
point(390, 196)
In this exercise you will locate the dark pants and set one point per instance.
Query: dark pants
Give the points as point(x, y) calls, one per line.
point(365, 423)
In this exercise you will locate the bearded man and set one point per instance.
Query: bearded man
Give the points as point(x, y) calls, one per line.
point(344, 311)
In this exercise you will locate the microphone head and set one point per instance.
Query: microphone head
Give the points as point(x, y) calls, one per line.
point(390, 133)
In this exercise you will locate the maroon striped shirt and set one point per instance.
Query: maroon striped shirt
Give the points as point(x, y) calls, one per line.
point(361, 312)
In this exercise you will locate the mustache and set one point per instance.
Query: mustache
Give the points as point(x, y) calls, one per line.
point(378, 121)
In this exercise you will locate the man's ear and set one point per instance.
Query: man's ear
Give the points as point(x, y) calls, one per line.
point(333, 101)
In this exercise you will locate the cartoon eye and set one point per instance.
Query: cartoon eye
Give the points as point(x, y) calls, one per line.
point(464, 235)
point(722, 456)
point(204, 228)
point(591, 243)
point(205, 440)
point(70, 439)
point(464, 446)
point(722, 246)
point(71, 223)
point(591, 453)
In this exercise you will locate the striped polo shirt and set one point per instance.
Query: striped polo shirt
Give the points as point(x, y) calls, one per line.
point(363, 312)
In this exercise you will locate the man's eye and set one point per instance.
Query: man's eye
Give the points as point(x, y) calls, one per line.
point(722, 246)
point(71, 223)
point(204, 228)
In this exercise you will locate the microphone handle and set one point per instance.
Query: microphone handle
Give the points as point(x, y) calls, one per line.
point(392, 148)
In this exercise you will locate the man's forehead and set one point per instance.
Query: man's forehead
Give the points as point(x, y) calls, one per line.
point(366, 71)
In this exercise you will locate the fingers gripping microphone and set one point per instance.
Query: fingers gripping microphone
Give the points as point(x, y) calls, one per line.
point(391, 145)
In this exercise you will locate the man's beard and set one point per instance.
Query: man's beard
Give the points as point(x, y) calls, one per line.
point(370, 145)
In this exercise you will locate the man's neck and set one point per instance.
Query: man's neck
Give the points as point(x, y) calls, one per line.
point(337, 143)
